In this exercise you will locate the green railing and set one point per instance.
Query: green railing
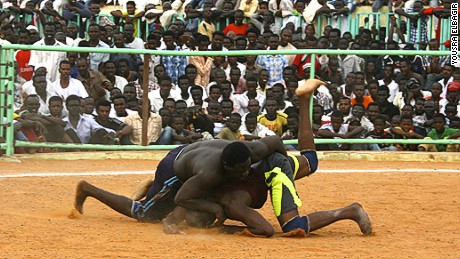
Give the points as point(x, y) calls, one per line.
point(7, 88)
point(7, 99)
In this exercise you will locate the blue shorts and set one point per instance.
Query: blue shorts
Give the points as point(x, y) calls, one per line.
point(159, 201)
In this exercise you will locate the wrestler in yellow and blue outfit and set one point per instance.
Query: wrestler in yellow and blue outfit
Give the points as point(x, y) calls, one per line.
point(280, 172)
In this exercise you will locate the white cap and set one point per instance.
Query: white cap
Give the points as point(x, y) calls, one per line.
point(31, 27)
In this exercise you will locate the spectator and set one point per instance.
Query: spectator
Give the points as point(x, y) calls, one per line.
point(131, 41)
point(202, 63)
point(179, 134)
point(436, 65)
point(348, 63)
point(388, 80)
point(232, 132)
point(418, 62)
point(406, 71)
point(94, 81)
point(273, 63)
point(411, 92)
point(405, 131)
point(331, 71)
point(95, 42)
point(238, 83)
point(285, 44)
point(281, 9)
point(237, 27)
point(417, 7)
point(83, 129)
point(380, 133)
point(40, 86)
point(358, 90)
point(451, 113)
point(278, 95)
point(175, 65)
point(108, 71)
point(373, 110)
point(158, 96)
point(372, 88)
point(48, 59)
point(440, 131)
point(241, 100)
point(54, 125)
point(122, 130)
point(133, 59)
point(124, 70)
point(386, 107)
point(207, 27)
point(74, 10)
point(65, 85)
point(347, 88)
point(439, 102)
point(358, 113)
point(154, 132)
point(131, 15)
point(120, 111)
point(22, 57)
point(338, 130)
point(292, 130)
point(370, 71)
point(274, 120)
point(226, 106)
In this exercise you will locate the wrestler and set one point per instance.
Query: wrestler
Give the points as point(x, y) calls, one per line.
point(185, 177)
point(277, 174)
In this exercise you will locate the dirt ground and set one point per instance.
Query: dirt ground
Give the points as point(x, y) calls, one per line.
point(415, 215)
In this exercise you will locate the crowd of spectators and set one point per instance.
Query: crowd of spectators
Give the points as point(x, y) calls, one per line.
point(79, 97)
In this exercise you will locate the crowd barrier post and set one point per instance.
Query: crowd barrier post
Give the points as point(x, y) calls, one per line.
point(7, 99)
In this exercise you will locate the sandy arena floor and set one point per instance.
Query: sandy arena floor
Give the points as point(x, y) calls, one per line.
point(415, 215)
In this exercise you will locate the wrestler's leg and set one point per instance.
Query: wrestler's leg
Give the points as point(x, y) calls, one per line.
point(306, 141)
point(320, 219)
point(305, 92)
point(237, 207)
point(118, 203)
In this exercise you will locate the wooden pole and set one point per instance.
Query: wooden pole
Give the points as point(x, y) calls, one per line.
point(145, 99)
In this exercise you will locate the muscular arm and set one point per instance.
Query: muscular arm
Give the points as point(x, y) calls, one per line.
point(237, 207)
point(192, 193)
point(355, 132)
point(327, 133)
point(264, 147)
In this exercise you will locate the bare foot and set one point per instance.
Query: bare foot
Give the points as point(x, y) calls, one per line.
point(363, 219)
point(309, 87)
point(142, 189)
point(80, 196)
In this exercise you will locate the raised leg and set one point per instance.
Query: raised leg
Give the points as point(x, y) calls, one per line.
point(304, 92)
point(117, 202)
point(353, 212)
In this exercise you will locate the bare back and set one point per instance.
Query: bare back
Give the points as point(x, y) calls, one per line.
point(200, 157)
point(205, 156)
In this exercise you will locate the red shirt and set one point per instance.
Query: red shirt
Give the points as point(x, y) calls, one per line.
point(301, 59)
point(22, 58)
point(238, 30)
point(429, 11)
